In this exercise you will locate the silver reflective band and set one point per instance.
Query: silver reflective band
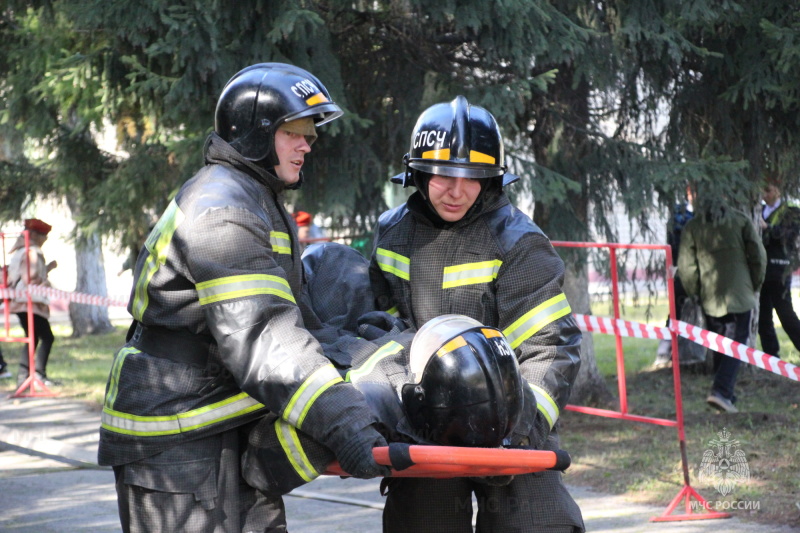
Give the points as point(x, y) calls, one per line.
point(231, 287)
point(470, 273)
point(154, 426)
point(158, 244)
point(302, 400)
point(281, 244)
point(546, 405)
point(537, 318)
point(390, 348)
point(290, 442)
point(393, 263)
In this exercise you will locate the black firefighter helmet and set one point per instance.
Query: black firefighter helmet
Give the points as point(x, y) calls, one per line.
point(455, 139)
point(466, 388)
point(257, 100)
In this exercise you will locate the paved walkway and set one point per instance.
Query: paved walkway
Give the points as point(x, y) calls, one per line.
point(49, 483)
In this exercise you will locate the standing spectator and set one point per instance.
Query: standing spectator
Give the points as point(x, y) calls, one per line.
point(722, 262)
point(221, 332)
point(18, 270)
point(780, 226)
point(4, 373)
point(681, 214)
point(458, 246)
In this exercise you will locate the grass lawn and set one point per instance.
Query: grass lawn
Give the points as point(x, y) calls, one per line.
point(82, 365)
point(643, 461)
point(640, 460)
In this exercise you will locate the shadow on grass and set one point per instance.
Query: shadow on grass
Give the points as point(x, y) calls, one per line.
point(643, 461)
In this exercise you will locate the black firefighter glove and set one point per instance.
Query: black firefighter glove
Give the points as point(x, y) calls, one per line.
point(376, 324)
point(355, 456)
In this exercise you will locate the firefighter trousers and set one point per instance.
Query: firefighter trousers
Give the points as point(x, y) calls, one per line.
point(195, 487)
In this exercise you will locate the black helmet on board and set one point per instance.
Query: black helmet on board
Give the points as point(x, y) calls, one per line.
point(467, 388)
point(455, 139)
point(257, 100)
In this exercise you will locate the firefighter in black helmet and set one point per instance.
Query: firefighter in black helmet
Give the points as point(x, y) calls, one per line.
point(464, 385)
point(220, 336)
point(454, 382)
point(458, 246)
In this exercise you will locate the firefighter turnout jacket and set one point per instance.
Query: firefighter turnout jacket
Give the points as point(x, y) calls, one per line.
point(497, 267)
point(221, 334)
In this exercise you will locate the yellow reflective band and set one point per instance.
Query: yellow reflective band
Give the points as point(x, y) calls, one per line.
point(477, 157)
point(394, 311)
point(155, 426)
point(157, 244)
point(470, 273)
point(302, 400)
point(281, 244)
point(443, 153)
point(393, 263)
point(536, 319)
point(453, 345)
point(290, 442)
point(490, 333)
point(116, 368)
point(231, 287)
point(318, 98)
point(390, 348)
point(546, 405)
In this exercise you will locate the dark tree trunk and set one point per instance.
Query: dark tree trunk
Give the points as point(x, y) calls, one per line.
point(560, 146)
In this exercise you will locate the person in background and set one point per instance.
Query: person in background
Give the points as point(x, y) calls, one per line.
point(722, 262)
point(458, 246)
point(681, 214)
point(4, 372)
point(18, 270)
point(780, 228)
point(307, 231)
point(220, 337)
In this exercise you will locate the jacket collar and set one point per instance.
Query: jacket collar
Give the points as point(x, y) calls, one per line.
point(219, 152)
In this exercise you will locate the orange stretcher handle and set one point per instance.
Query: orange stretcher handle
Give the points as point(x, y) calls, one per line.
point(454, 461)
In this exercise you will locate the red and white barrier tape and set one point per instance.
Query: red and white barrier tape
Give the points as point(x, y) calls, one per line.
point(718, 343)
point(591, 323)
point(50, 292)
point(626, 328)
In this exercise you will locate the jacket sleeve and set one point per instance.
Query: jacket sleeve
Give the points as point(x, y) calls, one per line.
point(755, 253)
point(254, 317)
point(382, 292)
point(536, 318)
point(688, 269)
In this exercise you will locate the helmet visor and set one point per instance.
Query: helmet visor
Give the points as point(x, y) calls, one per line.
point(432, 336)
point(321, 113)
point(440, 168)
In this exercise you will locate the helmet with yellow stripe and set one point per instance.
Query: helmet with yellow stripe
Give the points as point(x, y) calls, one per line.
point(454, 139)
point(259, 99)
point(466, 388)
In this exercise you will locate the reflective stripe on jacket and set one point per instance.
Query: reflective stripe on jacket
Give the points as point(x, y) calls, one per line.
point(223, 262)
point(495, 266)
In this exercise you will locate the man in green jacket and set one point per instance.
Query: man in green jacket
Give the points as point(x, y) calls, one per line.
point(722, 261)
